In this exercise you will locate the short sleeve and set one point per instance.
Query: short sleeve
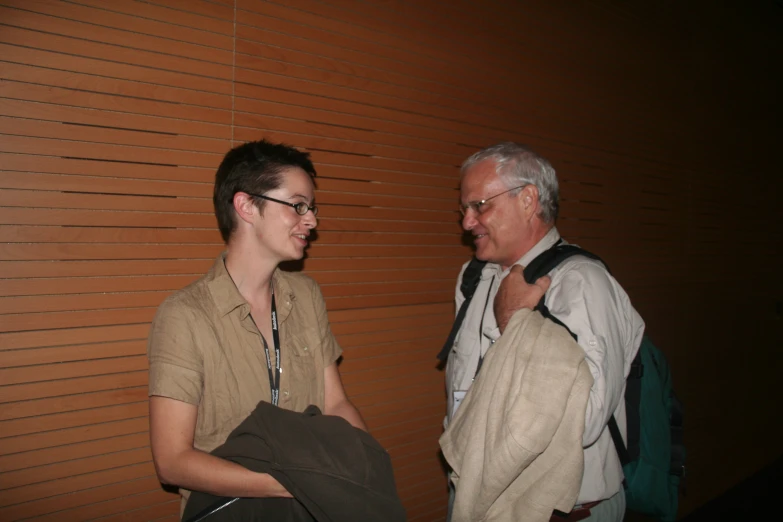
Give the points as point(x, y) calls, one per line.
point(330, 349)
point(176, 365)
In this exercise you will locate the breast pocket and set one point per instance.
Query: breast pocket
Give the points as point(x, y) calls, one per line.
point(465, 346)
point(304, 374)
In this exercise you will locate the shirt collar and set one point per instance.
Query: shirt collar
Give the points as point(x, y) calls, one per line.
point(284, 295)
point(224, 292)
point(228, 298)
point(546, 242)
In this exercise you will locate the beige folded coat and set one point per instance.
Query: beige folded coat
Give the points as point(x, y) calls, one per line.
point(515, 443)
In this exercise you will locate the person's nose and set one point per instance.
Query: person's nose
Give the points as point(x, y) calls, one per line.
point(469, 220)
point(309, 219)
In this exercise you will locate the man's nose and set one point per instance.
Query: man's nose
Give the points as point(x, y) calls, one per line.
point(469, 219)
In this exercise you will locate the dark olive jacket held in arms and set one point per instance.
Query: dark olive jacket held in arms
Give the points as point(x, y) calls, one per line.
point(336, 473)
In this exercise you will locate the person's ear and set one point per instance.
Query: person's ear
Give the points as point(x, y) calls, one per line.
point(529, 200)
point(245, 207)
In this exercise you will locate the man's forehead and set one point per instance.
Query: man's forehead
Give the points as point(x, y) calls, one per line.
point(480, 178)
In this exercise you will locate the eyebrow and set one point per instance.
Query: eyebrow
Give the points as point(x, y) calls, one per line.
point(297, 195)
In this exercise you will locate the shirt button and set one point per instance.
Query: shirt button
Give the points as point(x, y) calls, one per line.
point(285, 393)
point(305, 348)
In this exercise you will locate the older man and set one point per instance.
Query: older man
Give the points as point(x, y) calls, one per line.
point(509, 200)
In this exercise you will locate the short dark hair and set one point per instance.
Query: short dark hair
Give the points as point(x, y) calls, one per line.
point(253, 167)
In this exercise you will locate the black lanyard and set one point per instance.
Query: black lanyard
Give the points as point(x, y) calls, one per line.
point(481, 328)
point(274, 377)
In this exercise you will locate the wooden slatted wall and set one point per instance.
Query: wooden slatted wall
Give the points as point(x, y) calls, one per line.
point(115, 114)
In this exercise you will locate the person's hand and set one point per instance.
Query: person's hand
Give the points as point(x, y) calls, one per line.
point(515, 294)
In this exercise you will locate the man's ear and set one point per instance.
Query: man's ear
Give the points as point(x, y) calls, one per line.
point(245, 207)
point(529, 199)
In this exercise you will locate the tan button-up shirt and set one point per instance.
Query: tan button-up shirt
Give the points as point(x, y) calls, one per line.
point(205, 349)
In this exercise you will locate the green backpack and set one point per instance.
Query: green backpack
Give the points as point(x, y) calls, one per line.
point(654, 459)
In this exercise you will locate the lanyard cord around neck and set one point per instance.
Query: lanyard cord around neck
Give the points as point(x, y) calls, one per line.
point(274, 376)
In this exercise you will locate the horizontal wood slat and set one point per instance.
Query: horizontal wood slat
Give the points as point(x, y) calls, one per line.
point(74, 22)
point(73, 419)
point(104, 151)
point(63, 470)
point(98, 15)
point(68, 337)
point(82, 434)
point(33, 408)
point(70, 319)
point(121, 379)
point(167, 15)
point(101, 134)
point(386, 385)
point(98, 487)
point(94, 234)
point(45, 269)
point(12, 50)
point(113, 117)
point(106, 218)
point(76, 168)
point(65, 370)
point(73, 452)
point(41, 82)
point(183, 56)
point(154, 505)
point(167, 511)
point(55, 286)
point(61, 354)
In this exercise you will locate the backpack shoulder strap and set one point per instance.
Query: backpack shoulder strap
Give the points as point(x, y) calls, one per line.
point(547, 260)
point(540, 266)
point(471, 277)
point(619, 445)
point(470, 280)
point(544, 263)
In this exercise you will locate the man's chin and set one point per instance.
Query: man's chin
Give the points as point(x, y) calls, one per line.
point(483, 255)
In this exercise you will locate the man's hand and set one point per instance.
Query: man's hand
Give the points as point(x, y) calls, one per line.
point(514, 294)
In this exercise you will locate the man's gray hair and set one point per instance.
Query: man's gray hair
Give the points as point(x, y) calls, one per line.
point(518, 165)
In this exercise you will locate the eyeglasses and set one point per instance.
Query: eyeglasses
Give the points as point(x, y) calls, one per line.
point(301, 207)
point(478, 206)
